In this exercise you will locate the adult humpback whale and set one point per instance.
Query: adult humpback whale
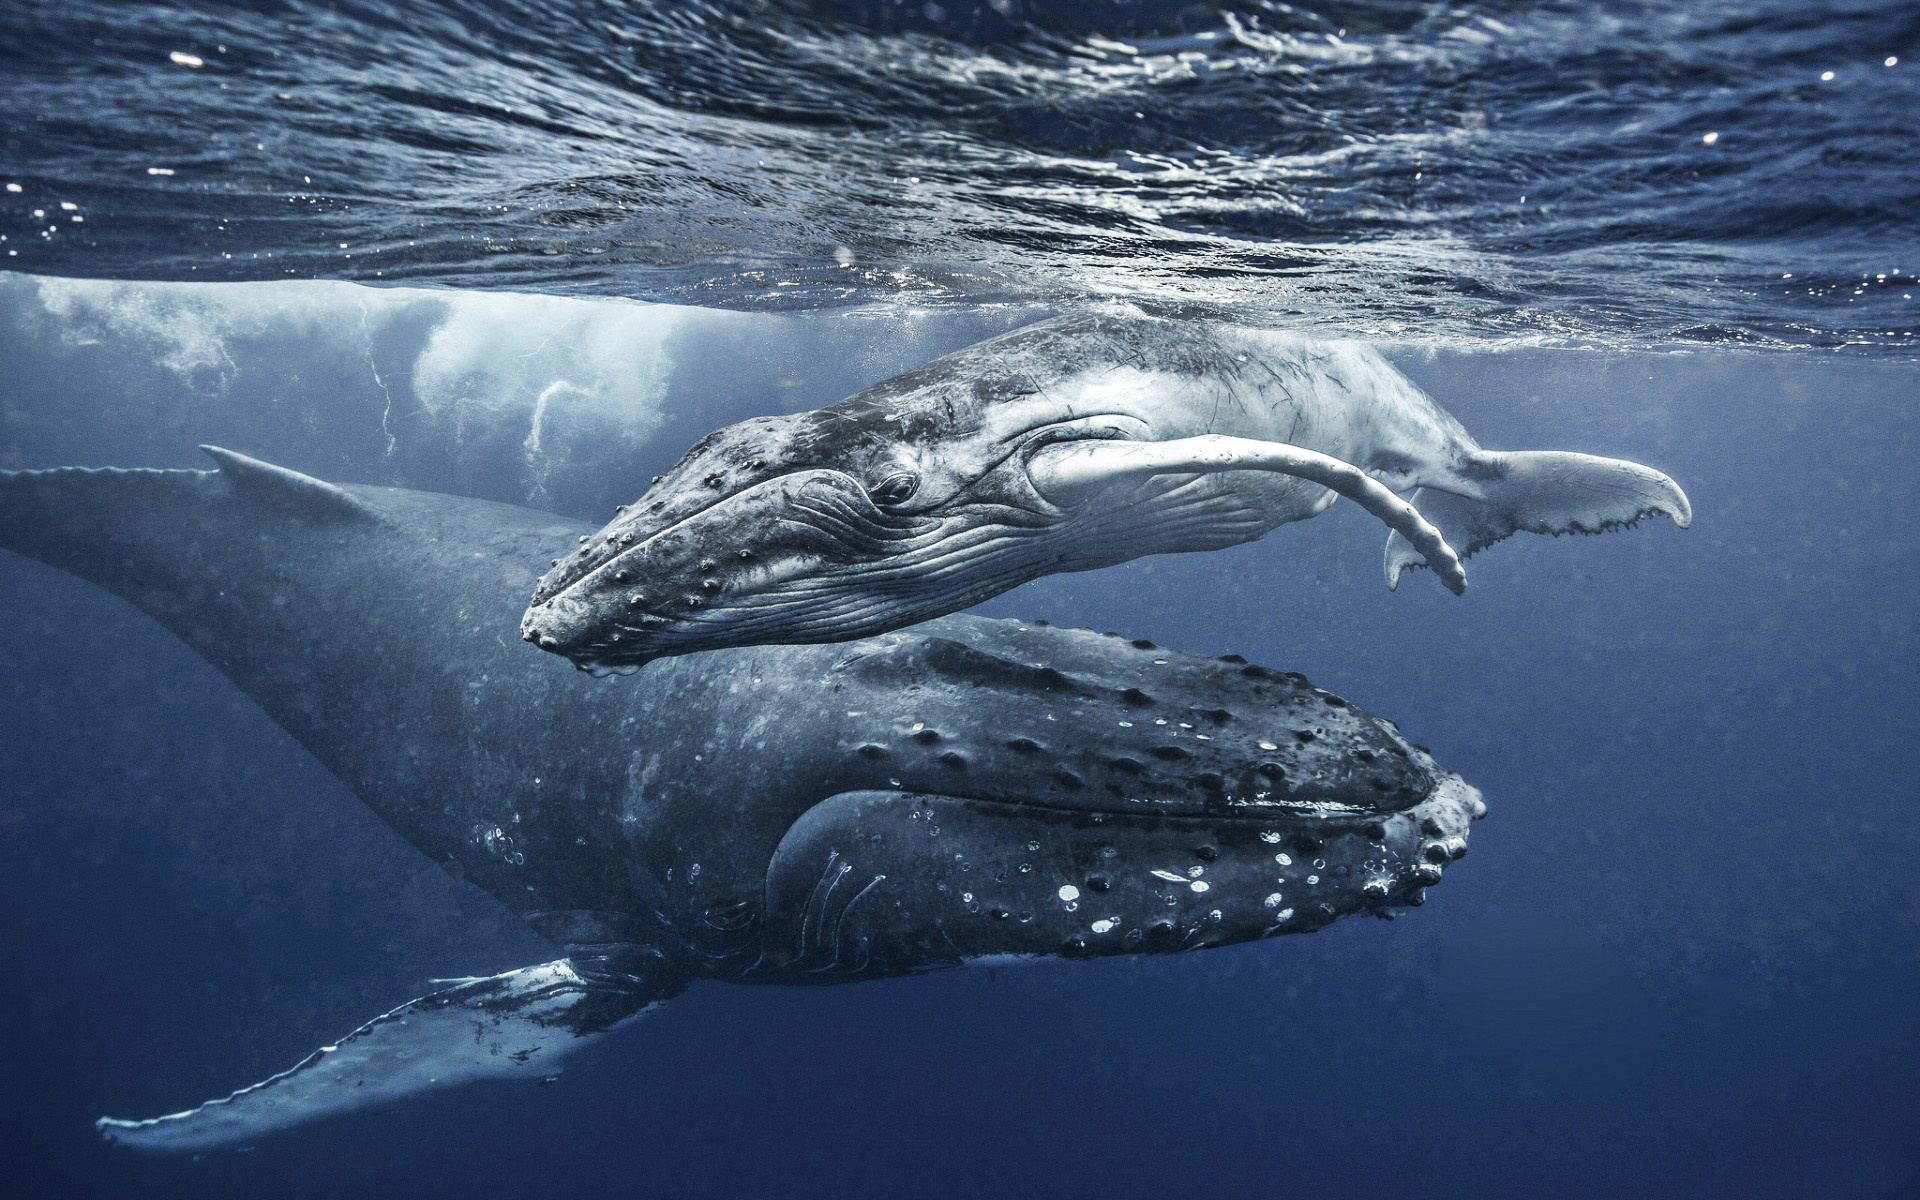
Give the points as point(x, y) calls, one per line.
point(1068, 445)
point(823, 814)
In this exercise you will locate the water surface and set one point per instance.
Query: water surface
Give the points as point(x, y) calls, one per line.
point(1622, 172)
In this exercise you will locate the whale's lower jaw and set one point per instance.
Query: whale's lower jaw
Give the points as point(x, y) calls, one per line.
point(868, 884)
point(879, 883)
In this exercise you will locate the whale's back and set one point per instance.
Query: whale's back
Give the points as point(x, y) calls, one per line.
point(377, 626)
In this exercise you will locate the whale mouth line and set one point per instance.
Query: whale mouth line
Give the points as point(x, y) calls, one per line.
point(1308, 817)
point(1328, 814)
point(1322, 813)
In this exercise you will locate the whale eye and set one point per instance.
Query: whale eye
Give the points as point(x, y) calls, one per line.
point(897, 488)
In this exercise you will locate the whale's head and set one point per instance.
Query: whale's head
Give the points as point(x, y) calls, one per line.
point(1000, 789)
point(885, 509)
point(969, 788)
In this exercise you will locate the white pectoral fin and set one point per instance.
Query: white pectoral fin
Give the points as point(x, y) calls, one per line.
point(1067, 470)
point(516, 1025)
point(1498, 494)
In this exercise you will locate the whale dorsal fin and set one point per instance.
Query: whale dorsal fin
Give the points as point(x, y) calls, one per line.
point(288, 489)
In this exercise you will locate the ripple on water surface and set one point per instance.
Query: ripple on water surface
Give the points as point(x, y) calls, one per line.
point(1623, 173)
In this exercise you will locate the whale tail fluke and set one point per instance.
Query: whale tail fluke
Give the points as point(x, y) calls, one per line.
point(513, 1026)
point(1494, 494)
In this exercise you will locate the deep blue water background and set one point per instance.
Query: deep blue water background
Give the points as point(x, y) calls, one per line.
point(1681, 958)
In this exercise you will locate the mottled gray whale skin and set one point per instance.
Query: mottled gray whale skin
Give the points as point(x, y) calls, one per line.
point(1069, 445)
point(951, 791)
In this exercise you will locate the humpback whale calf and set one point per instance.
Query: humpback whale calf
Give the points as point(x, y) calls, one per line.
point(955, 790)
point(1068, 445)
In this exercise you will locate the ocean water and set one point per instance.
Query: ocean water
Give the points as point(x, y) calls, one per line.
point(1626, 172)
point(530, 253)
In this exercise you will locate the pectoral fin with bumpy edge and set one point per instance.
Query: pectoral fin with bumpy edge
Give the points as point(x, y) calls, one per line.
point(516, 1025)
point(1497, 494)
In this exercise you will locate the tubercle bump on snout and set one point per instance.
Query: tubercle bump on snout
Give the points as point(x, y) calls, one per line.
point(631, 591)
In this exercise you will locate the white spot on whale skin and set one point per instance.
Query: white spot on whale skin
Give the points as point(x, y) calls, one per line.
point(1103, 926)
point(1285, 914)
point(1199, 885)
point(1285, 860)
point(1169, 876)
point(1069, 893)
point(1269, 836)
point(1273, 901)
